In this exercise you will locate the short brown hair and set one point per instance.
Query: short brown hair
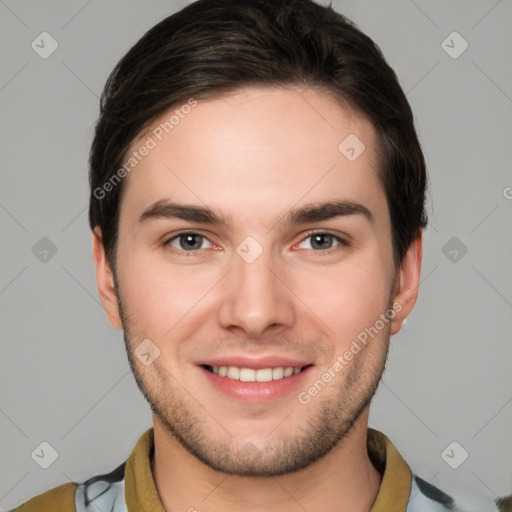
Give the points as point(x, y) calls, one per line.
point(215, 46)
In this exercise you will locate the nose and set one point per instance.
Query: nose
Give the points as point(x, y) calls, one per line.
point(256, 297)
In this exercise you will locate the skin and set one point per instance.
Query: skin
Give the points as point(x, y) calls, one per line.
point(254, 155)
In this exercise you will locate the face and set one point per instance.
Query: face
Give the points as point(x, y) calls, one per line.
point(251, 247)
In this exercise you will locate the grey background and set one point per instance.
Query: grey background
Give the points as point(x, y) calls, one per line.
point(64, 375)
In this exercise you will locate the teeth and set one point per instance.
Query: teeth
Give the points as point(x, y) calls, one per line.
point(277, 373)
point(264, 375)
point(288, 372)
point(252, 375)
point(247, 375)
point(233, 372)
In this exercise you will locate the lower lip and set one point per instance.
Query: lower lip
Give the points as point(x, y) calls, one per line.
point(257, 392)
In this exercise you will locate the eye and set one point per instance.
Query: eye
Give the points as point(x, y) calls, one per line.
point(190, 243)
point(186, 242)
point(323, 242)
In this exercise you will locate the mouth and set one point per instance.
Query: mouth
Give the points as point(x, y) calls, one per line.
point(255, 375)
point(264, 384)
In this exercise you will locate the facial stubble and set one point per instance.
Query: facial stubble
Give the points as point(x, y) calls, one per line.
point(193, 425)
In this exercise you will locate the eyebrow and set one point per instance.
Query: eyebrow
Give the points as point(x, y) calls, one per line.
point(165, 209)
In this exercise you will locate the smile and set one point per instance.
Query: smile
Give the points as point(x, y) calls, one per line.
point(253, 375)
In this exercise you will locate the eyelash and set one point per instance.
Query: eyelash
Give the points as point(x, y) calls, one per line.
point(342, 243)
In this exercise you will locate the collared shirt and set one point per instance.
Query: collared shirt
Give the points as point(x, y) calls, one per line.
point(131, 487)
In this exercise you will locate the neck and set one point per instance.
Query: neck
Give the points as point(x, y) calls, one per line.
point(344, 479)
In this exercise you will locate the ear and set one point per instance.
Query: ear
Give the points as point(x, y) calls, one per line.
point(105, 280)
point(407, 283)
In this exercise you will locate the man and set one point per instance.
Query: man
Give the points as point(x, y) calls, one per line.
point(257, 207)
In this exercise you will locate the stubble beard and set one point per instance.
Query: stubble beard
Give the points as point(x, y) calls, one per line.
point(332, 414)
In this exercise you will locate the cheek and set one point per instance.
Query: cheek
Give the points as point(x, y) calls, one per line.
point(341, 300)
point(158, 295)
point(348, 299)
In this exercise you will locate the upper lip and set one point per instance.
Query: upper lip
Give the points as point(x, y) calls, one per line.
point(256, 363)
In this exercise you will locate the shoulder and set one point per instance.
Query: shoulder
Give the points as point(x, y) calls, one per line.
point(101, 492)
point(425, 496)
point(61, 498)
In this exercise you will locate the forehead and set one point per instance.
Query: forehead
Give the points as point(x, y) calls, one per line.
point(256, 149)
